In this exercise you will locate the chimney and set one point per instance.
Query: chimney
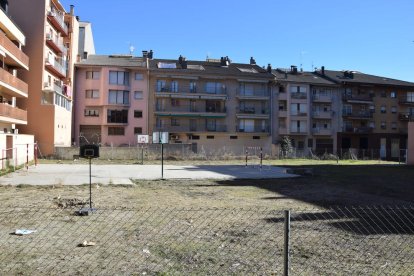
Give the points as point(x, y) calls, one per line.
point(145, 54)
point(224, 61)
point(269, 68)
point(184, 63)
point(293, 69)
point(252, 61)
point(180, 59)
point(323, 70)
point(72, 9)
point(150, 54)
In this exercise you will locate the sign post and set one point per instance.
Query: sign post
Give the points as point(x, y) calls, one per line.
point(142, 139)
point(160, 138)
point(88, 152)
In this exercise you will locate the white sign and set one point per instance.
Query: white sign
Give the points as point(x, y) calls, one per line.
point(143, 139)
point(160, 137)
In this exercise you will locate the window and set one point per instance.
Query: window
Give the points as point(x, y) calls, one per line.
point(210, 136)
point(256, 137)
point(161, 86)
point(233, 137)
point(93, 75)
point(310, 143)
point(383, 125)
point(194, 137)
point(91, 113)
point(175, 122)
point(372, 108)
point(117, 116)
point(371, 124)
point(116, 131)
point(138, 95)
point(137, 130)
point(137, 114)
point(175, 102)
point(298, 89)
point(118, 97)
point(393, 109)
point(139, 76)
point(92, 94)
point(383, 109)
point(410, 97)
point(394, 125)
point(393, 94)
point(193, 87)
point(119, 77)
point(383, 94)
point(174, 86)
point(214, 88)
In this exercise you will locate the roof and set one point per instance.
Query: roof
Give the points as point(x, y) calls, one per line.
point(112, 60)
point(349, 77)
point(240, 70)
point(286, 75)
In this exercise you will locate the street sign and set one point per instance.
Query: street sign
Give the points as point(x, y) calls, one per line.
point(143, 139)
point(160, 137)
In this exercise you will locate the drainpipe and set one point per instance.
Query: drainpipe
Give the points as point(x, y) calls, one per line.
point(148, 97)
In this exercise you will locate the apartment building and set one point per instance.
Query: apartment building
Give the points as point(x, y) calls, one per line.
point(111, 100)
point(215, 105)
point(306, 108)
point(52, 46)
point(375, 111)
point(13, 61)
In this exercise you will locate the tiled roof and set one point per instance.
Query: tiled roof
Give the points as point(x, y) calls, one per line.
point(112, 60)
point(358, 77)
point(285, 75)
point(212, 68)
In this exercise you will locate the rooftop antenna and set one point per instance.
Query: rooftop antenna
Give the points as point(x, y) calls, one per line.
point(131, 49)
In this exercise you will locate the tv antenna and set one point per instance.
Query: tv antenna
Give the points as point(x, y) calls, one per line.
point(131, 49)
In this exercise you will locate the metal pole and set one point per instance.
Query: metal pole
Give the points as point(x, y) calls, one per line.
point(27, 157)
point(286, 244)
point(162, 161)
point(142, 155)
point(261, 158)
point(246, 157)
point(90, 183)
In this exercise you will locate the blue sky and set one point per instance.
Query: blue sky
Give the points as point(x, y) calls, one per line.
point(374, 37)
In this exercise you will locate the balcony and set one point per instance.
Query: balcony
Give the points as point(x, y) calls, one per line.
point(406, 117)
point(363, 98)
point(322, 98)
point(298, 131)
point(55, 87)
point(282, 96)
point(299, 95)
point(56, 45)
point(14, 115)
point(362, 114)
point(283, 113)
point(283, 130)
point(252, 112)
point(56, 18)
point(407, 100)
point(357, 129)
point(322, 114)
point(190, 128)
point(256, 94)
point(403, 130)
point(321, 131)
point(255, 129)
point(189, 92)
point(15, 56)
point(56, 67)
point(12, 85)
point(189, 110)
point(298, 113)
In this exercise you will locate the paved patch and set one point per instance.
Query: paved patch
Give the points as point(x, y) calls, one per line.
point(78, 174)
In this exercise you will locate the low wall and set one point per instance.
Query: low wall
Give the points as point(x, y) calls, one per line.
point(18, 151)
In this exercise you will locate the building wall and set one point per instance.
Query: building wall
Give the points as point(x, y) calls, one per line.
point(101, 104)
point(17, 149)
point(410, 153)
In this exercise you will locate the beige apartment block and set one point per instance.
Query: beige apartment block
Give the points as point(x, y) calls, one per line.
point(375, 113)
point(52, 46)
point(13, 89)
point(215, 105)
point(306, 109)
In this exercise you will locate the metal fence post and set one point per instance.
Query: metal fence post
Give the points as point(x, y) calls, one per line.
point(286, 262)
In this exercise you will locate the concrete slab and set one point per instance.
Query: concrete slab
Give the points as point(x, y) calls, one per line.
point(78, 174)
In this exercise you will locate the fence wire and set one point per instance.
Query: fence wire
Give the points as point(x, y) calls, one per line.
point(206, 241)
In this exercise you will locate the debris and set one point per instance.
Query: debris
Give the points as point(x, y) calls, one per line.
point(21, 232)
point(87, 243)
point(146, 251)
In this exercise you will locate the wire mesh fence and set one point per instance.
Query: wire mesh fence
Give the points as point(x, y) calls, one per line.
point(207, 241)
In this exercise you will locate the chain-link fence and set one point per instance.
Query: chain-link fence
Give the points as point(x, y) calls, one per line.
point(207, 241)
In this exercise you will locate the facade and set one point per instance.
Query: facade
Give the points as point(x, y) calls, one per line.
point(375, 112)
point(52, 46)
point(214, 105)
point(13, 61)
point(86, 44)
point(111, 100)
point(306, 109)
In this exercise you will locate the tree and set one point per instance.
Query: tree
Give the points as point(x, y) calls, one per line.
point(286, 146)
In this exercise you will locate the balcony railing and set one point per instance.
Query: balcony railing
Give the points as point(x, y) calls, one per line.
point(359, 98)
point(298, 113)
point(321, 131)
point(407, 116)
point(13, 81)
point(321, 98)
point(357, 114)
point(406, 100)
point(298, 95)
point(253, 111)
point(255, 129)
point(322, 114)
point(191, 128)
point(189, 108)
point(58, 21)
point(302, 131)
point(252, 93)
point(12, 112)
point(189, 89)
point(56, 66)
point(14, 50)
point(357, 129)
point(55, 44)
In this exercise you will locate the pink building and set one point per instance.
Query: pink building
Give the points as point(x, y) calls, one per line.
point(111, 100)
